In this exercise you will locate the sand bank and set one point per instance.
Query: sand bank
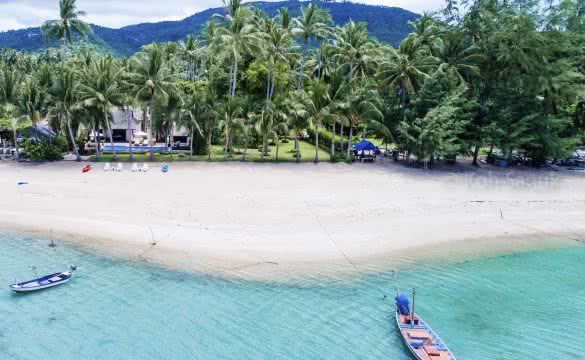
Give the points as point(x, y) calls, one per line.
point(224, 218)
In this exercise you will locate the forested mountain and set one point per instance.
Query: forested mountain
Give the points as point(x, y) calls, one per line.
point(388, 24)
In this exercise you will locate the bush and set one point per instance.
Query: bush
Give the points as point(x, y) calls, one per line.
point(61, 142)
point(42, 151)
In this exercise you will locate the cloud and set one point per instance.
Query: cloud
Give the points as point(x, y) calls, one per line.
point(17, 14)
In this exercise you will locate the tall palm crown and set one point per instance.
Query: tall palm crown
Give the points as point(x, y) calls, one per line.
point(69, 22)
point(312, 23)
point(352, 47)
point(150, 79)
point(33, 102)
point(64, 101)
point(101, 89)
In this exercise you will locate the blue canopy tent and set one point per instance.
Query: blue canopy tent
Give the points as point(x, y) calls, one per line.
point(365, 150)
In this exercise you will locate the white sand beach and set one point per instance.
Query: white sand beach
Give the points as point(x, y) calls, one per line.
point(219, 218)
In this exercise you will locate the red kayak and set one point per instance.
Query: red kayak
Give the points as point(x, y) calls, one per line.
point(86, 168)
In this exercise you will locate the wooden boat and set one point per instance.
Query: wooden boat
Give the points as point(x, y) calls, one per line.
point(43, 282)
point(419, 337)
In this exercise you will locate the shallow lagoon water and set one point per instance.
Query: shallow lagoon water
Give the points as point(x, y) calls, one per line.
point(526, 305)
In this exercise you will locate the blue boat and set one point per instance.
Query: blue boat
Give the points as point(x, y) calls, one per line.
point(418, 336)
point(43, 282)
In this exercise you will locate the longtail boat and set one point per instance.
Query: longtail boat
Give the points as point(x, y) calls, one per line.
point(43, 282)
point(419, 337)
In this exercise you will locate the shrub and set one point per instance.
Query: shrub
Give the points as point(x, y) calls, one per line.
point(42, 151)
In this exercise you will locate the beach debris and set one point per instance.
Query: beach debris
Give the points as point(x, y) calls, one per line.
point(165, 168)
point(20, 183)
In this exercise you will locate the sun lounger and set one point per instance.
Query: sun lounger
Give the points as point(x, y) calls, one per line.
point(107, 167)
point(135, 167)
point(119, 168)
point(145, 167)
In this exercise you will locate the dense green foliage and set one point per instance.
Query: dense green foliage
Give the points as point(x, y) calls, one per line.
point(44, 151)
point(386, 24)
point(506, 75)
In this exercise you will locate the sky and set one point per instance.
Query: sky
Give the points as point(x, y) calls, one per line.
point(18, 14)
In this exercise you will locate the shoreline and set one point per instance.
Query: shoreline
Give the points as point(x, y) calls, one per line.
point(269, 221)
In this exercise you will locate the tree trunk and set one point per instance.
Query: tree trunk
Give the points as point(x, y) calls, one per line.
point(268, 89)
point(403, 99)
point(192, 136)
point(209, 146)
point(75, 150)
point(227, 144)
point(302, 69)
point(317, 145)
point(231, 83)
point(273, 83)
point(131, 137)
point(333, 142)
point(96, 140)
point(150, 132)
point(341, 138)
point(114, 153)
point(36, 132)
point(319, 62)
point(277, 143)
point(476, 156)
point(263, 152)
point(16, 142)
point(297, 146)
point(235, 78)
point(349, 143)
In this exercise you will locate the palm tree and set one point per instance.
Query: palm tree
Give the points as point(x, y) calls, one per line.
point(33, 102)
point(239, 36)
point(363, 109)
point(151, 79)
point(279, 45)
point(457, 58)
point(210, 115)
point(190, 116)
point(311, 23)
point(298, 120)
point(192, 52)
point(100, 89)
point(230, 122)
point(69, 22)
point(9, 93)
point(404, 71)
point(64, 101)
point(171, 112)
point(318, 106)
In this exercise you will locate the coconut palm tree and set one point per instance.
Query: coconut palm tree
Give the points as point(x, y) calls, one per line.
point(311, 23)
point(33, 102)
point(191, 115)
point(100, 88)
point(457, 57)
point(69, 22)
point(363, 109)
point(406, 70)
point(64, 101)
point(298, 120)
point(9, 94)
point(318, 106)
point(278, 50)
point(231, 121)
point(150, 79)
point(238, 36)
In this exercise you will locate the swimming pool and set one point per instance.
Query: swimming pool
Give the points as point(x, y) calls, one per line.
point(126, 148)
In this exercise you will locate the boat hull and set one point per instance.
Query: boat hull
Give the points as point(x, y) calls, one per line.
point(418, 353)
point(46, 282)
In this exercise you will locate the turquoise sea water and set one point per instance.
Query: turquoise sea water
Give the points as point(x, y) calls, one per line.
point(529, 305)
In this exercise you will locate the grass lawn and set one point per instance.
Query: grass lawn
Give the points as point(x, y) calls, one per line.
point(286, 154)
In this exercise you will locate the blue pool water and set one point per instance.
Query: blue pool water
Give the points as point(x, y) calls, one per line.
point(529, 305)
point(122, 148)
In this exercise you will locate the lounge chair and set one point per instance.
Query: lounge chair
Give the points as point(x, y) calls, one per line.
point(119, 168)
point(137, 141)
point(135, 167)
point(107, 167)
point(145, 167)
